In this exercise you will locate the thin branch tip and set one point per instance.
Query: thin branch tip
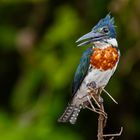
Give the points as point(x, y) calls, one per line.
point(114, 135)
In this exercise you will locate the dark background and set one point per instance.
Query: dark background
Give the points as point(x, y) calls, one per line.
point(38, 58)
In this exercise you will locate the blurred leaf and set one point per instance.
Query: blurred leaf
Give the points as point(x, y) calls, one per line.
point(7, 37)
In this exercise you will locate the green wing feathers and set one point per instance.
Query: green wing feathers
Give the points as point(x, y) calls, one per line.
point(82, 70)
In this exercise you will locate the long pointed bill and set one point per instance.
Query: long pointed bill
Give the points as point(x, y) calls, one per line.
point(90, 37)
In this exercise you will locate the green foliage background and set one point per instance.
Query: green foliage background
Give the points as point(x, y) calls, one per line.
point(38, 58)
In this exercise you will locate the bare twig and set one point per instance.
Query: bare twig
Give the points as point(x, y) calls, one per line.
point(101, 124)
point(102, 119)
point(114, 135)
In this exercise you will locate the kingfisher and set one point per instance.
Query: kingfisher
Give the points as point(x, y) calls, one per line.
point(97, 64)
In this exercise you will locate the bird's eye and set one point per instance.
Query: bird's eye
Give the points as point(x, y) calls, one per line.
point(105, 30)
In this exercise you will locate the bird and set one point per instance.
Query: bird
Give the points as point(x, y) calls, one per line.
point(97, 64)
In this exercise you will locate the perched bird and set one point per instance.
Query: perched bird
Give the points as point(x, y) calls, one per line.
point(96, 67)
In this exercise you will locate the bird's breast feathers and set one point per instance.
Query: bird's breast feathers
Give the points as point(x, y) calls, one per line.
point(104, 58)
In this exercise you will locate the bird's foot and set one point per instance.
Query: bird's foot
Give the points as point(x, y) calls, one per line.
point(91, 85)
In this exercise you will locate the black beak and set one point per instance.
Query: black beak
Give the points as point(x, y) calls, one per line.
point(91, 37)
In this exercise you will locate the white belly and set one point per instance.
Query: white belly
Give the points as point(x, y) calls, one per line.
point(101, 78)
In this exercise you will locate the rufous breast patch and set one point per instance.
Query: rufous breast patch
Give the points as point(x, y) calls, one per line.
point(104, 59)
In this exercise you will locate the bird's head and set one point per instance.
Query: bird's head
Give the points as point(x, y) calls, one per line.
point(103, 31)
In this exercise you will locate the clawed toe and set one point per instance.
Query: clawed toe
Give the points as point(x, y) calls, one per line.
point(91, 85)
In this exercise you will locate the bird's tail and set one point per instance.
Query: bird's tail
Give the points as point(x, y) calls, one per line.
point(70, 115)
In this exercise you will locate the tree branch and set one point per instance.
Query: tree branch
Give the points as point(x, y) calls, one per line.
point(102, 119)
